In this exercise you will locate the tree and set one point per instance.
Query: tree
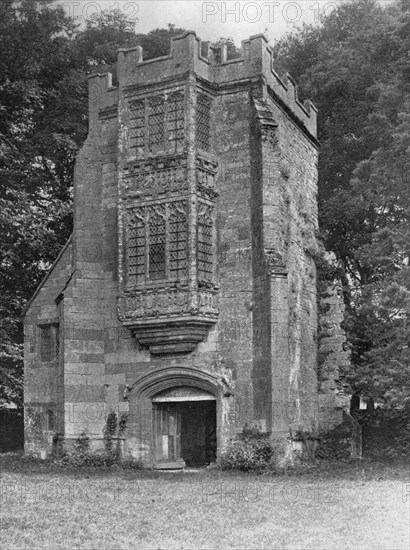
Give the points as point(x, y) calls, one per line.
point(43, 122)
point(232, 51)
point(355, 67)
point(156, 43)
point(35, 150)
point(105, 32)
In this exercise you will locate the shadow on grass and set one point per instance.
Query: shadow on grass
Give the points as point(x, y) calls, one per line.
point(17, 463)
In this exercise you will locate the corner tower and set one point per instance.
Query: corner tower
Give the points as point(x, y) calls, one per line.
point(187, 295)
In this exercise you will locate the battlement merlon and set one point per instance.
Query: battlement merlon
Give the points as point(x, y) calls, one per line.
point(188, 54)
point(101, 95)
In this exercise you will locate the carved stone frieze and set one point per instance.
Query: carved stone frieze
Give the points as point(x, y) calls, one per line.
point(163, 209)
point(156, 303)
point(157, 177)
point(148, 303)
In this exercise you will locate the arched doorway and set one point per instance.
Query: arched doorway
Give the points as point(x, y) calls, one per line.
point(184, 427)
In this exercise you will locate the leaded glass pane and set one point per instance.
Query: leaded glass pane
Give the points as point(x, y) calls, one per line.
point(49, 343)
point(57, 341)
point(137, 126)
point(156, 124)
point(176, 121)
point(203, 122)
point(136, 253)
point(46, 343)
point(205, 249)
point(178, 245)
point(157, 269)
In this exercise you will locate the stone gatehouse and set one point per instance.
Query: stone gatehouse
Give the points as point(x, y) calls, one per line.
point(186, 297)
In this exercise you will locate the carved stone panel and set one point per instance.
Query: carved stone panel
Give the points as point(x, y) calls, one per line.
point(206, 178)
point(157, 302)
point(166, 302)
point(152, 179)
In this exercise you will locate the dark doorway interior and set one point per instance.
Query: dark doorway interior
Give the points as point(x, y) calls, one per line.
point(185, 430)
point(198, 432)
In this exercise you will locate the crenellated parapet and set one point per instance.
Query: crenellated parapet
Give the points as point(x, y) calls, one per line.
point(102, 97)
point(189, 55)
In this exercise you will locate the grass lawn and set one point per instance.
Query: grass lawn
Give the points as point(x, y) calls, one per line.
point(357, 506)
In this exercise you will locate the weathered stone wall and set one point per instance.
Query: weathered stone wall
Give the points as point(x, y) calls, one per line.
point(290, 228)
point(334, 354)
point(235, 338)
point(84, 369)
point(43, 380)
point(285, 225)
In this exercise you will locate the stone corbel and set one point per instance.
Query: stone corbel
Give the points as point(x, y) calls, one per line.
point(268, 125)
point(226, 391)
point(126, 393)
point(268, 134)
point(274, 262)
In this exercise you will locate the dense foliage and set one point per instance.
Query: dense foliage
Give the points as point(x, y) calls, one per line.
point(253, 452)
point(354, 65)
point(335, 444)
point(356, 68)
point(42, 124)
point(83, 456)
point(44, 64)
point(386, 434)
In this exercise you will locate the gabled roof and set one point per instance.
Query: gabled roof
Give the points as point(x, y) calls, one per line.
point(47, 275)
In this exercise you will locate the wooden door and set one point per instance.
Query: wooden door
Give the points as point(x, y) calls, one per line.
point(167, 421)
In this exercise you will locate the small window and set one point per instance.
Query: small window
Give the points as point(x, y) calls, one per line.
point(49, 343)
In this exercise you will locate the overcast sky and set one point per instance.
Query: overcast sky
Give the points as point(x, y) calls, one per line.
point(212, 19)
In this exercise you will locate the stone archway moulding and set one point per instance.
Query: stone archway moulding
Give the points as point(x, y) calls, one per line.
point(165, 378)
